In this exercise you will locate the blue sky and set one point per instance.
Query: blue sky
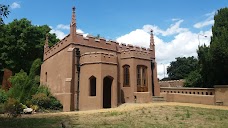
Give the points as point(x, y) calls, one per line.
point(177, 24)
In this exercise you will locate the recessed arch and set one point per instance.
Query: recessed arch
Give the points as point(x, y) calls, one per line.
point(107, 91)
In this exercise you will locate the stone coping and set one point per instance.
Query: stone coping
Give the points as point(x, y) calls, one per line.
point(221, 86)
point(185, 88)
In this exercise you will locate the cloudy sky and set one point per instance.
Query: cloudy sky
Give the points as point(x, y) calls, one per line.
point(179, 25)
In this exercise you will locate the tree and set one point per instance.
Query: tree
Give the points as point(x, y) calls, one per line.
point(4, 11)
point(219, 48)
point(213, 59)
point(24, 86)
point(21, 43)
point(180, 68)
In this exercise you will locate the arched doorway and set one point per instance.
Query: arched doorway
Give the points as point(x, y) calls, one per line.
point(107, 92)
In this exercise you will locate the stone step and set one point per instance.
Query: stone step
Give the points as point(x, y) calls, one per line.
point(158, 99)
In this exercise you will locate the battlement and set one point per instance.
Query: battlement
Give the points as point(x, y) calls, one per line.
point(98, 58)
point(136, 52)
point(57, 47)
point(89, 41)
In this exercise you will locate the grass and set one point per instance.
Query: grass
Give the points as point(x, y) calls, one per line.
point(146, 117)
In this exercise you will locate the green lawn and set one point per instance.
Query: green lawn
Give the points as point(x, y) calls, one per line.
point(156, 116)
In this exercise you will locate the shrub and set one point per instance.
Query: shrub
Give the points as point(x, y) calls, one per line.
point(46, 102)
point(13, 107)
point(28, 103)
point(34, 107)
point(43, 89)
point(55, 104)
point(41, 99)
point(3, 96)
point(2, 110)
point(25, 85)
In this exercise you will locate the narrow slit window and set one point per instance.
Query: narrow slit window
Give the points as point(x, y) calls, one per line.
point(126, 75)
point(92, 90)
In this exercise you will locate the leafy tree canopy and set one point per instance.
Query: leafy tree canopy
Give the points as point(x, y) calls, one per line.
point(21, 43)
point(180, 68)
point(4, 11)
point(213, 59)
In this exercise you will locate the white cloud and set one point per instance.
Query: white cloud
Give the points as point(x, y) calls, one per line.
point(62, 30)
point(184, 44)
point(138, 37)
point(58, 33)
point(208, 21)
point(15, 5)
point(204, 23)
point(172, 30)
point(64, 27)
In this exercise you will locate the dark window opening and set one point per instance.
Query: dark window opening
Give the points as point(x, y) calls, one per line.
point(126, 75)
point(93, 82)
point(46, 77)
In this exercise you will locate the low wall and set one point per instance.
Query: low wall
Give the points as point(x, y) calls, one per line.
point(189, 95)
point(189, 98)
point(221, 94)
point(185, 90)
point(142, 97)
point(172, 83)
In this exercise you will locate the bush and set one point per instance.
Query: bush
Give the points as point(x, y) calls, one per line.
point(43, 89)
point(194, 79)
point(55, 104)
point(2, 110)
point(34, 107)
point(41, 99)
point(46, 102)
point(25, 85)
point(3, 96)
point(13, 107)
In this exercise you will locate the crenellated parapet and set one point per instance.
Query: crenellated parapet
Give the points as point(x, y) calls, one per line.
point(98, 58)
point(94, 42)
point(136, 52)
point(56, 47)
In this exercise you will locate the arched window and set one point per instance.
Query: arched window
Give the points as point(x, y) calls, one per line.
point(126, 75)
point(142, 78)
point(92, 89)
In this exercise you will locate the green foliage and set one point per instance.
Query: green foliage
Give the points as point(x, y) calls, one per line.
point(22, 43)
point(213, 60)
point(180, 68)
point(46, 102)
point(219, 47)
point(3, 96)
point(44, 89)
point(2, 110)
point(194, 79)
point(24, 86)
point(44, 99)
point(41, 100)
point(55, 104)
point(4, 11)
point(13, 107)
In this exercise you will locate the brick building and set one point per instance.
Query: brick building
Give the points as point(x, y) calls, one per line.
point(92, 73)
